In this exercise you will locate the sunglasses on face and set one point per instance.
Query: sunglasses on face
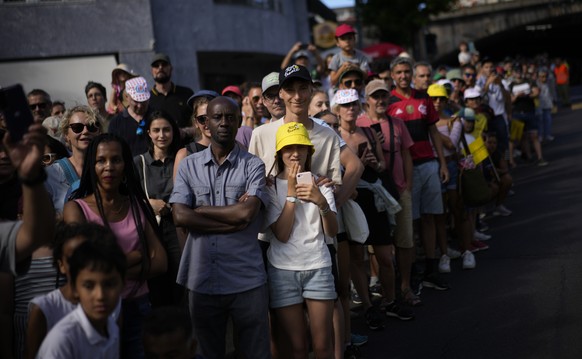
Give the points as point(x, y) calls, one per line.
point(78, 127)
point(201, 119)
point(48, 158)
point(270, 96)
point(348, 83)
point(351, 104)
point(469, 74)
point(140, 128)
point(40, 105)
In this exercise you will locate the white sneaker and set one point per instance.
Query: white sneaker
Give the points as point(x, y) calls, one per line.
point(501, 210)
point(469, 260)
point(482, 236)
point(445, 264)
point(453, 253)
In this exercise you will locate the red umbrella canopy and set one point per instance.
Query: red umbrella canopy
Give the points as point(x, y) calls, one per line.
point(383, 49)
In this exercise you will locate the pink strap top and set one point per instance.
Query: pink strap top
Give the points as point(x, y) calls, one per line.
point(128, 239)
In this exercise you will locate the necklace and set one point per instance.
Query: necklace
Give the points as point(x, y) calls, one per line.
point(351, 132)
point(119, 207)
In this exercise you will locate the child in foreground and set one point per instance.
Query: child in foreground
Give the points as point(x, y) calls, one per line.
point(168, 333)
point(97, 272)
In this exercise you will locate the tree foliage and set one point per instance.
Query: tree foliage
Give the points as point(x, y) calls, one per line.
point(398, 21)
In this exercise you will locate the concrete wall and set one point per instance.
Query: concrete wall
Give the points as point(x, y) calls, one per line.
point(185, 28)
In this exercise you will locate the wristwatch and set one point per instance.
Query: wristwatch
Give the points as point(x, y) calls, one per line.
point(291, 199)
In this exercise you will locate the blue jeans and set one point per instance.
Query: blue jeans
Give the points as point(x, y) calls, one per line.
point(248, 311)
point(545, 123)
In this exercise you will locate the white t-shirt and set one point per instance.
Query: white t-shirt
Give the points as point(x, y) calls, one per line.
point(306, 248)
point(54, 306)
point(75, 337)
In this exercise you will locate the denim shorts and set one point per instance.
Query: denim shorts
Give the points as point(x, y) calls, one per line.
point(529, 120)
point(453, 176)
point(426, 189)
point(289, 287)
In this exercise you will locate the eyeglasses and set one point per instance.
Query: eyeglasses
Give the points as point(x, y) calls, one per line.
point(469, 74)
point(270, 96)
point(40, 105)
point(348, 83)
point(140, 128)
point(439, 98)
point(48, 158)
point(201, 119)
point(78, 127)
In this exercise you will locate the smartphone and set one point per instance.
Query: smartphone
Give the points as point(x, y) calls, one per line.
point(377, 127)
point(304, 177)
point(303, 46)
point(14, 105)
point(362, 148)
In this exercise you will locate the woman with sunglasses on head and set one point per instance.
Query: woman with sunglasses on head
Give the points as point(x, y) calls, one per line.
point(155, 169)
point(110, 195)
point(374, 200)
point(202, 133)
point(79, 126)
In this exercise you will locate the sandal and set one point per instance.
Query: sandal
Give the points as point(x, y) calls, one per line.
point(410, 298)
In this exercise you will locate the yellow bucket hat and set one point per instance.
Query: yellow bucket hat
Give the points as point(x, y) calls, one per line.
point(293, 133)
point(436, 90)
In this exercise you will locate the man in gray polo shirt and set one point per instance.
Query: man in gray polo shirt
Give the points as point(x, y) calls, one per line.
point(218, 195)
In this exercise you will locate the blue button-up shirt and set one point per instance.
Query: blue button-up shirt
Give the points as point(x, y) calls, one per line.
point(221, 263)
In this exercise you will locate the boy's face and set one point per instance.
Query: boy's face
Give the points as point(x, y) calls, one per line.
point(173, 345)
point(98, 293)
point(491, 144)
point(346, 42)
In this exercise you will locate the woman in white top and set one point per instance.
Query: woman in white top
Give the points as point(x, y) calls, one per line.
point(300, 216)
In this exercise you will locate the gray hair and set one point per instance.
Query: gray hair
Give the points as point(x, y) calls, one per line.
point(401, 61)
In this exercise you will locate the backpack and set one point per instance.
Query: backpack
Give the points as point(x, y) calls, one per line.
point(71, 176)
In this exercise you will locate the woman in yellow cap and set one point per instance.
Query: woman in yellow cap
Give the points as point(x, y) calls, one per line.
point(450, 129)
point(300, 215)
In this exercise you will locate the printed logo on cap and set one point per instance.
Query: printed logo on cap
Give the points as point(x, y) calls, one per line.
point(291, 69)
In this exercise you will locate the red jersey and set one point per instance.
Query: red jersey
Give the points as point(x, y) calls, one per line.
point(418, 113)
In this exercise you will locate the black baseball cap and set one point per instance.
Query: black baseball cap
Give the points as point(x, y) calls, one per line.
point(294, 72)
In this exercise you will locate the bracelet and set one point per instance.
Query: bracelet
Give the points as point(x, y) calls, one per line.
point(325, 211)
point(39, 179)
point(291, 199)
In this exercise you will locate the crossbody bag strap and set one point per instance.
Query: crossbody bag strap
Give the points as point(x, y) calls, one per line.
point(392, 137)
point(70, 173)
point(145, 185)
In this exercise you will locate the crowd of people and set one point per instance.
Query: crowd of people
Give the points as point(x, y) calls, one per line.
point(141, 224)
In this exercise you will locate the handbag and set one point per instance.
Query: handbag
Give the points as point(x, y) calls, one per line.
point(386, 176)
point(473, 186)
point(355, 222)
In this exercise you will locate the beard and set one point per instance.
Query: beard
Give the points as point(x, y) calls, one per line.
point(162, 78)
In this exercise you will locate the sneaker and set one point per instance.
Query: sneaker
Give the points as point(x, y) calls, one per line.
point(445, 264)
point(355, 297)
point(375, 290)
point(374, 319)
point(453, 253)
point(542, 163)
point(481, 246)
point(434, 281)
point(358, 340)
point(468, 260)
point(352, 352)
point(396, 311)
point(501, 210)
point(482, 236)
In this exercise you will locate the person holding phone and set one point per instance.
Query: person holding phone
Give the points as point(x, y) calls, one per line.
point(300, 214)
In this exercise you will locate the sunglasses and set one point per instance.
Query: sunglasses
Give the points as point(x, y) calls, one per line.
point(201, 119)
point(40, 105)
point(350, 104)
point(270, 96)
point(468, 74)
point(78, 127)
point(348, 83)
point(140, 128)
point(48, 158)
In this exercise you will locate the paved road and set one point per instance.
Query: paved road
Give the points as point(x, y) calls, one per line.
point(524, 299)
